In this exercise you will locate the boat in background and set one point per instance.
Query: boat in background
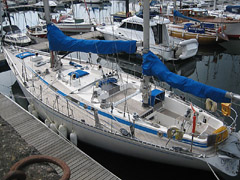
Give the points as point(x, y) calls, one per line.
point(13, 35)
point(189, 27)
point(93, 1)
point(39, 30)
point(160, 43)
point(204, 36)
point(67, 23)
point(222, 24)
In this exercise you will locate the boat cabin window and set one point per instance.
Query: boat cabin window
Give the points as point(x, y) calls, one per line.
point(132, 26)
point(236, 10)
point(157, 31)
point(22, 38)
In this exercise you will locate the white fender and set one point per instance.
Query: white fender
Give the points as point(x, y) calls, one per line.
point(62, 131)
point(53, 127)
point(47, 122)
point(30, 108)
point(35, 113)
point(73, 138)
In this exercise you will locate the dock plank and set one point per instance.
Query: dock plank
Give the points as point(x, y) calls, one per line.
point(47, 142)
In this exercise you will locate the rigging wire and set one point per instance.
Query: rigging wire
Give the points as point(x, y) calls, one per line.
point(212, 171)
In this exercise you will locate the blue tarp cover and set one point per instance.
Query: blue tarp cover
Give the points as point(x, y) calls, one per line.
point(74, 64)
point(24, 55)
point(155, 93)
point(60, 42)
point(107, 81)
point(153, 66)
point(79, 73)
point(178, 14)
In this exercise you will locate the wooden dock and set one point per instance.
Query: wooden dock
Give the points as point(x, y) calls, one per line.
point(35, 133)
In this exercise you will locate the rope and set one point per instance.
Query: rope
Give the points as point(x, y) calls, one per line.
point(212, 171)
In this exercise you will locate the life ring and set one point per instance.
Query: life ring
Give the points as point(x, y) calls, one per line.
point(211, 105)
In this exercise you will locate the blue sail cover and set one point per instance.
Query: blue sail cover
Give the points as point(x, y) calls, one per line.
point(178, 14)
point(60, 42)
point(153, 66)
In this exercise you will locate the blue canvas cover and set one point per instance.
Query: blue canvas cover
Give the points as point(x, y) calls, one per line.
point(60, 42)
point(107, 81)
point(74, 64)
point(155, 93)
point(24, 55)
point(79, 73)
point(178, 14)
point(153, 66)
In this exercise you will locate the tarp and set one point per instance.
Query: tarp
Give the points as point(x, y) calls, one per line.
point(60, 42)
point(24, 55)
point(155, 93)
point(78, 73)
point(178, 14)
point(152, 66)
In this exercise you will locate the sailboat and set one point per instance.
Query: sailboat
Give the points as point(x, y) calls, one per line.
point(122, 113)
point(205, 32)
point(68, 23)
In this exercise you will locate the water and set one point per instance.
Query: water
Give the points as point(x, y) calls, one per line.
point(218, 66)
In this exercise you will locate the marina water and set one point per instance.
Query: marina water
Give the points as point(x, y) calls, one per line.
point(218, 66)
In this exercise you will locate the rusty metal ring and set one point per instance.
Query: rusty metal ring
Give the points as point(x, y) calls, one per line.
point(42, 158)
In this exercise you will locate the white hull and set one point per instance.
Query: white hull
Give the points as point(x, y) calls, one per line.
point(166, 53)
point(93, 1)
point(113, 142)
point(75, 27)
point(232, 30)
point(160, 43)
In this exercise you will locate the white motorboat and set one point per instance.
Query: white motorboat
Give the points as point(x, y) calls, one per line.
point(68, 24)
point(161, 44)
point(39, 30)
point(113, 110)
point(13, 35)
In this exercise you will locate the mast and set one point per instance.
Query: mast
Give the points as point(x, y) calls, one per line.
point(127, 7)
point(146, 20)
point(1, 12)
point(47, 11)
point(146, 79)
point(214, 5)
point(7, 13)
point(55, 64)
